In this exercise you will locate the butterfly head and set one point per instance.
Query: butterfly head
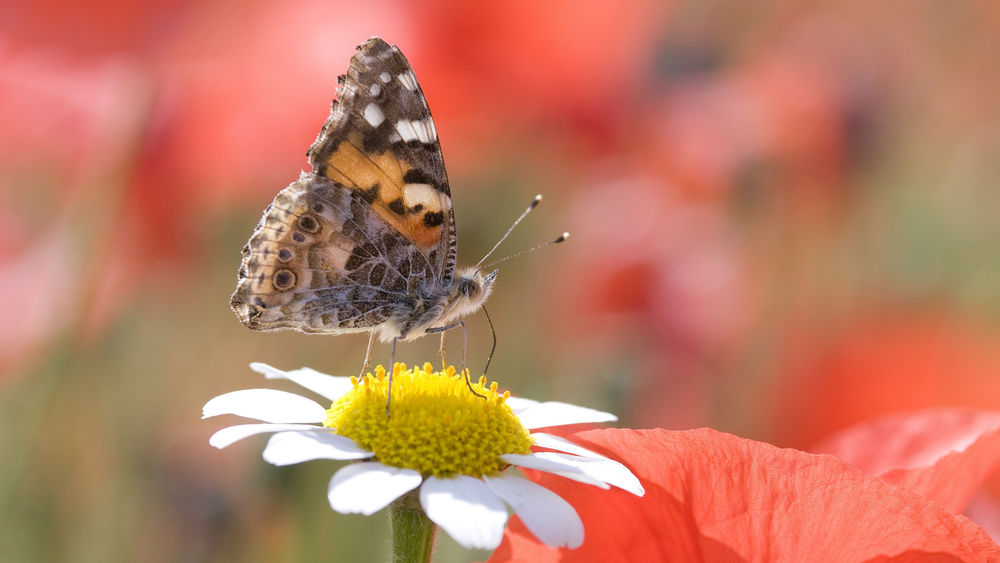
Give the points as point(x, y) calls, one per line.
point(470, 288)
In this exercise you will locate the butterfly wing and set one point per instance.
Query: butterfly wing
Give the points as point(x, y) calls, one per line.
point(380, 140)
point(349, 247)
point(322, 260)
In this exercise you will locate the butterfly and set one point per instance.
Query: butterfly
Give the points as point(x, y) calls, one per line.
point(366, 241)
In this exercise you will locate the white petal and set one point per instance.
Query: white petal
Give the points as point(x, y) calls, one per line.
point(537, 461)
point(269, 405)
point(554, 413)
point(286, 448)
point(596, 468)
point(328, 386)
point(369, 487)
point(545, 513)
point(233, 434)
point(519, 404)
point(466, 509)
point(552, 442)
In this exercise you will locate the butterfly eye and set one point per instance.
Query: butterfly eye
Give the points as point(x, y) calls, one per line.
point(470, 288)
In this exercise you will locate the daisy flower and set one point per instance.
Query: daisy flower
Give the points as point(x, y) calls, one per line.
point(440, 454)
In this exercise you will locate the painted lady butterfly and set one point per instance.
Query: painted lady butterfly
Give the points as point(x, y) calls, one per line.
point(366, 241)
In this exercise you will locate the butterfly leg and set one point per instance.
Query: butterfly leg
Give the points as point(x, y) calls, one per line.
point(465, 342)
point(444, 361)
point(368, 355)
point(392, 370)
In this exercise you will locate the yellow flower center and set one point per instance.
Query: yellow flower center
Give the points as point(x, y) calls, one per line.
point(435, 426)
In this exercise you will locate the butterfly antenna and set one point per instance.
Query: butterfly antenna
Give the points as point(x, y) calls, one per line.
point(534, 204)
point(557, 240)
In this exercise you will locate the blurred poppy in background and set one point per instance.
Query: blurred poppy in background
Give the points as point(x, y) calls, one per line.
point(784, 222)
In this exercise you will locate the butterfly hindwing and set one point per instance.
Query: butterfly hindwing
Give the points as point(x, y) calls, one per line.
point(321, 260)
point(380, 141)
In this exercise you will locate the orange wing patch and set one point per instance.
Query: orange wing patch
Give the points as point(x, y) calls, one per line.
point(395, 189)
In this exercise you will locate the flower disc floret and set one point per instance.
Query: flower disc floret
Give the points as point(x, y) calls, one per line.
point(435, 425)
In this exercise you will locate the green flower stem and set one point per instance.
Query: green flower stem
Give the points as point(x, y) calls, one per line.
point(412, 531)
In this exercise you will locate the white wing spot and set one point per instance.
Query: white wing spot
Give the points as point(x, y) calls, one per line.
point(406, 130)
point(374, 89)
point(425, 130)
point(423, 194)
point(385, 77)
point(408, 79)
point(373, 115)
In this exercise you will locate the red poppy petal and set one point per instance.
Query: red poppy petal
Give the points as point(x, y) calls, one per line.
point(713, 496)
point(942, 454)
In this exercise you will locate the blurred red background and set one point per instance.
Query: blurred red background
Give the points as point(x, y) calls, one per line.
point(784, 221)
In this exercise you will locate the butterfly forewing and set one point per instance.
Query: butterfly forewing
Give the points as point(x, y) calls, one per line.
point(381, 141)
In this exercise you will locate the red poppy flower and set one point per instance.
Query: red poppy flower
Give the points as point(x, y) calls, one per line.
point(510, 72)
point(712, 496)
point(881, 363)
point(943, 454)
